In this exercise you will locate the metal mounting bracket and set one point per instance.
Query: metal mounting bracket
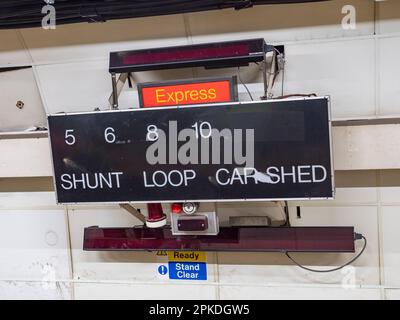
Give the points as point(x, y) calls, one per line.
point(133, 212)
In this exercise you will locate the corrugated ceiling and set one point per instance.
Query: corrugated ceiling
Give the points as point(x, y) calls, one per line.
point(28, 13)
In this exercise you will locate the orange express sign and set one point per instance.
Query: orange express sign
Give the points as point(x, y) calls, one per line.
point(184, 92)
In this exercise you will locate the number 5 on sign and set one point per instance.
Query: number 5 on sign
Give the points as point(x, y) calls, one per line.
point(69, 137)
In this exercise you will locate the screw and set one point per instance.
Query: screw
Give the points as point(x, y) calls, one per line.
point(20, 104)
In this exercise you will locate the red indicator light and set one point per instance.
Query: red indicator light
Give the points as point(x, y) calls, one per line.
point(176, 208)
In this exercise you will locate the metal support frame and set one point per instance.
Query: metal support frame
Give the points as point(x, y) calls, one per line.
point(117, 86)
point(133, 212)
point(265, 79)
point(277, 65)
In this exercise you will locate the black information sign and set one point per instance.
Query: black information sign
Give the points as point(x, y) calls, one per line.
point(252, 151)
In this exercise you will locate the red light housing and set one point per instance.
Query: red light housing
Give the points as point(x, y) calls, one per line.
point(155, 212)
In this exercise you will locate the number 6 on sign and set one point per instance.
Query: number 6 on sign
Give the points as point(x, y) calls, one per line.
point(109, 135)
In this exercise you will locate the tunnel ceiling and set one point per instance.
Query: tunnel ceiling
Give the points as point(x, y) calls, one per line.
point(28, 13)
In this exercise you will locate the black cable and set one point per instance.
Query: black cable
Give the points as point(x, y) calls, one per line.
point(283, 80)
point(296, 95)
point(247, 89)
point(334, 269)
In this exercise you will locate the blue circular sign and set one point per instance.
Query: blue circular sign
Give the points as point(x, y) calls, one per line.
point(162, 270)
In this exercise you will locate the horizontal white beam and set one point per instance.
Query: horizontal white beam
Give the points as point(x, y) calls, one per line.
point(25, 158)
point(363, 147)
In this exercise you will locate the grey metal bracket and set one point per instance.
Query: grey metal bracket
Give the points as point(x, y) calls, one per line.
point(117, 86)
point(133, 212)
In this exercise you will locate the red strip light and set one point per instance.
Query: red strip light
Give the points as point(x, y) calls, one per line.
point(266, 239)
point(217, 54)
point(186, 54)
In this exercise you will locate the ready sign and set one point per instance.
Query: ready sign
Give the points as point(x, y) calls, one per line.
point(189, 265)
point(186, 92)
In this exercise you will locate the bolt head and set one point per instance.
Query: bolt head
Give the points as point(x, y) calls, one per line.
point(20, 104)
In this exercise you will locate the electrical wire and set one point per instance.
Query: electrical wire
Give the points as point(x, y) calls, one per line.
point(282, 70)
point(296, 95)
point(283, 81)
point(247, 89)
point(330, 270)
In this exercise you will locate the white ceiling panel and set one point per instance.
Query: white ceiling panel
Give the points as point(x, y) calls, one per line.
point(389, 82)
point(74, 87)
point(20, 85)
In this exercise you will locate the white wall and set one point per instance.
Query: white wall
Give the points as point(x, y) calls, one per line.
point(41, 242)
point(38, 261)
